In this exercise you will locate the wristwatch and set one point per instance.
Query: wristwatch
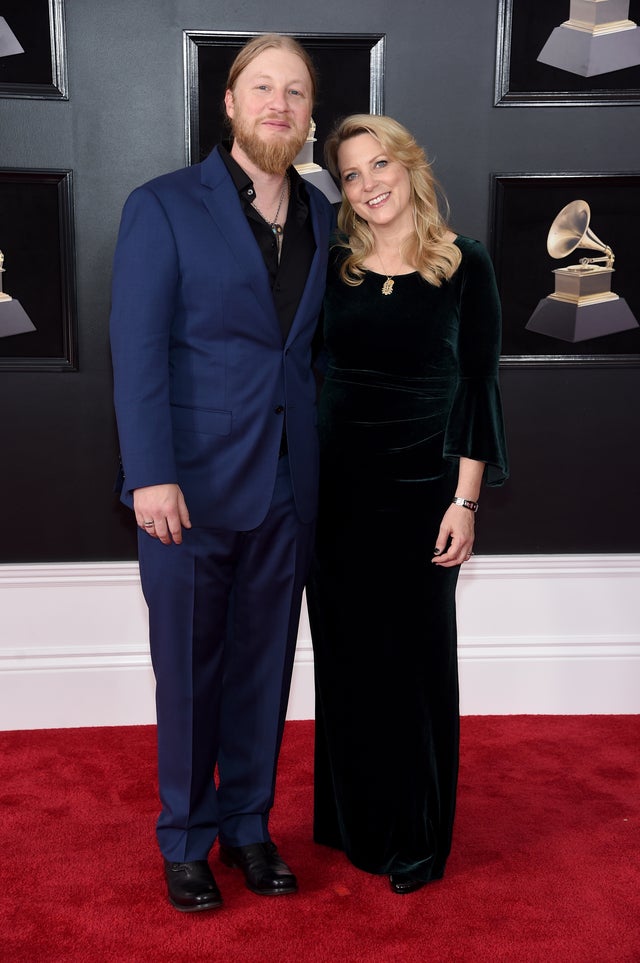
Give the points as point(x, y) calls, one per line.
point(465, 503)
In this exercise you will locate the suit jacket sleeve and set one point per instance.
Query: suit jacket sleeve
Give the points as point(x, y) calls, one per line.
point(144, 294)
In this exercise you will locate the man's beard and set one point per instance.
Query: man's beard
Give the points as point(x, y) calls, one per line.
point(273, 157)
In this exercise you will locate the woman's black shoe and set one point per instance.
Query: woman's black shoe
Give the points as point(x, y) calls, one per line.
point(403, 883)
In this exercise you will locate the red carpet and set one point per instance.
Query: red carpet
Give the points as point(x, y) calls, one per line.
point(545, 866)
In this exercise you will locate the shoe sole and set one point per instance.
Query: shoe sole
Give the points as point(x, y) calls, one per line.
point(196, 909)
point(284, 891)
point(408, 890)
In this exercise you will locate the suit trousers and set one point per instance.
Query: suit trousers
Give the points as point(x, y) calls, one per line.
point(224, 608)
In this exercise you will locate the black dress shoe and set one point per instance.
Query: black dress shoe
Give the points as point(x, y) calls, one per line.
point(403, 883)
point(264, 871)
point(191, 886)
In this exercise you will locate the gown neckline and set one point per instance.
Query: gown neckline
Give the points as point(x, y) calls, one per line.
point(408, 274)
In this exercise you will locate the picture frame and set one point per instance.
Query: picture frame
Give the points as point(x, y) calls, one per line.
point(32, 36)
point(208, 56)
point(37, 240)
point(524, 206)
point(524, 28)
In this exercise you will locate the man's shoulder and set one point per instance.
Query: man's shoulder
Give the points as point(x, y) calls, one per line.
point(321, 206)
point(317, 196)
point(174, 180)
point(184, 178)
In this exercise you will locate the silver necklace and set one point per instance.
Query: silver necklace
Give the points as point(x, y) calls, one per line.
point(275, 227)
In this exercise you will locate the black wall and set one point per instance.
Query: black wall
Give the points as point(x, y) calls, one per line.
point(573, 431)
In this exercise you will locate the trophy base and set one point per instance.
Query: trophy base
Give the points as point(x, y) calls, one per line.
point(9, 43)
point(579, 322)
point(589, 54)
point(14, 319)
point(583, 284)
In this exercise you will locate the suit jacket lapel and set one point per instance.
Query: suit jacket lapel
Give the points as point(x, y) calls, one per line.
point(317, 272)
point(223, 204)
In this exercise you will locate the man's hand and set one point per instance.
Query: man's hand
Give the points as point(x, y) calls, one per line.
point(161, 512)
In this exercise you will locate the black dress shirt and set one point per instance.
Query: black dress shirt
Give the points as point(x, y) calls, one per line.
point(288, 275)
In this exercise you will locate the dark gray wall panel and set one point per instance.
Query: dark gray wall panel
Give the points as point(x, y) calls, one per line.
point(573, 432)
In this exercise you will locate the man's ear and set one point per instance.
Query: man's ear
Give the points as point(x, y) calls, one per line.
point(228, 103)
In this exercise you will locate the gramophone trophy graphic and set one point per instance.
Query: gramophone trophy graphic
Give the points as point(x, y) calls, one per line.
point(305, 166)
point(583, 305)
point(597, 38)
point(13, 317)
point(9, 43)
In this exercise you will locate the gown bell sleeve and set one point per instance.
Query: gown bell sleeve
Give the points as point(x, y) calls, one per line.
point(475, 426)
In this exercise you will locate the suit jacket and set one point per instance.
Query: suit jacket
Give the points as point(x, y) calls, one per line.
point(202, 376)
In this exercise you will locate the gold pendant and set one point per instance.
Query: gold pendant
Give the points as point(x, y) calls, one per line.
point(387, 287)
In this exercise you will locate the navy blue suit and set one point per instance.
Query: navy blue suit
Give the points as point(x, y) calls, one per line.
point(203, 380)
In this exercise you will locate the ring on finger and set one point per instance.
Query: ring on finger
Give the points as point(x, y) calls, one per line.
point(149, 524)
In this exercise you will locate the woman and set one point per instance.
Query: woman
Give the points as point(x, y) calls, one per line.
point(410, 425)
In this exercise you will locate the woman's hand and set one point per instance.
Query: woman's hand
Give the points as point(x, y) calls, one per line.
point(457, 531)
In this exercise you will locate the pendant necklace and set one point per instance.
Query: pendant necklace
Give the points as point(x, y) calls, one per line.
point(387, 287)
point(275, 227)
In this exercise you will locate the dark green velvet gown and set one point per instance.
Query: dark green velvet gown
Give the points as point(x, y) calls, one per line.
point(411, 385)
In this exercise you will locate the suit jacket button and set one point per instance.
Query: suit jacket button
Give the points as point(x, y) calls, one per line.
point(279, 409)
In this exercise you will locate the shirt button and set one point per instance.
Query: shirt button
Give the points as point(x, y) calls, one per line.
point(279, 409)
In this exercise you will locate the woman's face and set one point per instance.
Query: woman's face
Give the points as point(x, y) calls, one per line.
point(377, 186)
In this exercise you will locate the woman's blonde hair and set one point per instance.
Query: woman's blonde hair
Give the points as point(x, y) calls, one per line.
point(435, 258)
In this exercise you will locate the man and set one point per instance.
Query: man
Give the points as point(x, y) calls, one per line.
point(218, 280)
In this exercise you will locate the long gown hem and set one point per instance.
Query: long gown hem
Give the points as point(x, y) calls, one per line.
point(427, 873)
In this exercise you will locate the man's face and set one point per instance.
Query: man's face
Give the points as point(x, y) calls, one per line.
point(270, 109)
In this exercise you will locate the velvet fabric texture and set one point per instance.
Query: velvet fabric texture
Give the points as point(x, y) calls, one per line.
point(411, 385)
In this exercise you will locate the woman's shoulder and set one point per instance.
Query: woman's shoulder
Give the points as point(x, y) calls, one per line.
point(338, 241)
point(474, 253)
point(338, 249)
point(470, 247)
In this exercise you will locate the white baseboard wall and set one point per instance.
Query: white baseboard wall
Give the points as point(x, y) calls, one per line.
point(537, 634)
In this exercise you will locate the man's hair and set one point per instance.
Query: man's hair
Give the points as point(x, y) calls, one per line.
point(271, 41)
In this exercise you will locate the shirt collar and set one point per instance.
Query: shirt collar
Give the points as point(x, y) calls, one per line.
point(244, 185)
